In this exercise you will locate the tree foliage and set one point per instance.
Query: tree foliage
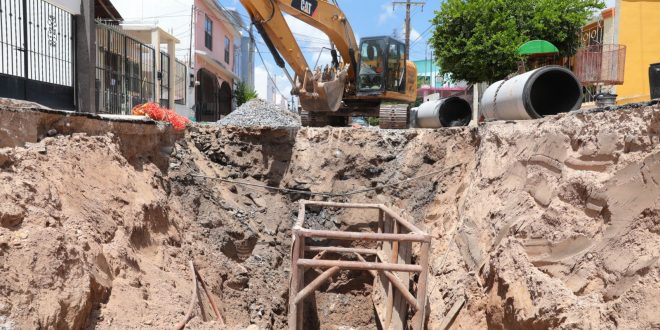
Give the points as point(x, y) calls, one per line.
point(244, 93)
point(476, 40)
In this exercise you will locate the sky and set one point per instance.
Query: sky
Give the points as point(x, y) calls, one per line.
point(367, 17)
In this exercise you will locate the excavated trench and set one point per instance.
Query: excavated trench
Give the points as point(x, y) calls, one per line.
point(553, 223)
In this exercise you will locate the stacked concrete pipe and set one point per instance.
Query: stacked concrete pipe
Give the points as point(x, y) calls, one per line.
point(450, 112)
point(542, 92)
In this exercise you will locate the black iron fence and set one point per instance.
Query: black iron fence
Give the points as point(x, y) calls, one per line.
point(125, 71)
point(164, 76)
point(180, 83)
point(37, 53)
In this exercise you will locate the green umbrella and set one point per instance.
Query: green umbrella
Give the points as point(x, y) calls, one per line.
point(537, 47)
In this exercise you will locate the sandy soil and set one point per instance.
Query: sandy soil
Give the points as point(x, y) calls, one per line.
point(544, 224)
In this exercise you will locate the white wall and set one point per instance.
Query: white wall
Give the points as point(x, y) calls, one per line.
point(72, 6)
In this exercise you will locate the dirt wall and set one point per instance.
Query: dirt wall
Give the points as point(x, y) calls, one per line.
point(541, 224)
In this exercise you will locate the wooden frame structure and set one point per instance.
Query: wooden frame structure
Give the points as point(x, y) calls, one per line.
point(395, 235)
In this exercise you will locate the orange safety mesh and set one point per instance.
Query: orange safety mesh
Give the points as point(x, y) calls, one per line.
point(155, 112)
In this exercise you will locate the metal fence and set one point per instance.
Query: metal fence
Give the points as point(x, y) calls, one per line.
point(180, 83)
point(37, 52)
point(601, 64)
point(125, 71)
point(164, 76)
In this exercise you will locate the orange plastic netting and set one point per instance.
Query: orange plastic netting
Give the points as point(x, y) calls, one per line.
point(155, 112)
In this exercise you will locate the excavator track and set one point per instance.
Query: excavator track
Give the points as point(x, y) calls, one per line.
point(311, 119)
point(394, 116)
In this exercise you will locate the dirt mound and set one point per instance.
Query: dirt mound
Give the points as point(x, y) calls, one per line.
point(541, 224)
point(557, 227)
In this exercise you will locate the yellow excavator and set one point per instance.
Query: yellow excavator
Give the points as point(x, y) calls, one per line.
point(374, 79)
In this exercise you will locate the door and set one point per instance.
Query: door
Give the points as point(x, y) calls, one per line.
point(206, 94)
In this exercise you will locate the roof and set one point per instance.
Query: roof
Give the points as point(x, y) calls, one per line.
point(224, 16)
point(104, 9)
point(537, 47)
point(143, 32)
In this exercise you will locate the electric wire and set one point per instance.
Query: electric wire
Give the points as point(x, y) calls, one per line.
point(329, 194)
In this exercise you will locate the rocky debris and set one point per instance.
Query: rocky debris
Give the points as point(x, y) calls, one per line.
point(6, 103)
point(260, 113)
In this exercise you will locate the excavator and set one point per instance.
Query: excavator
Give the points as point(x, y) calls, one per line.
point(372, 79)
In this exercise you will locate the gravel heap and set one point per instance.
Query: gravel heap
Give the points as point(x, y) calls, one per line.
point(259, 113)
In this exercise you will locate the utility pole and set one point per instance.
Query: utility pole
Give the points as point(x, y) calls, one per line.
point(408, 5)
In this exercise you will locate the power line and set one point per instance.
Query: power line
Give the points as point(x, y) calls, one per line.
point(268, 71)
point(331, 194)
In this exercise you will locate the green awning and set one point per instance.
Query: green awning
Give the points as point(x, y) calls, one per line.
point(536, 47)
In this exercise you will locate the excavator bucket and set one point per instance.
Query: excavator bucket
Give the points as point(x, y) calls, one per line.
point(326, 98)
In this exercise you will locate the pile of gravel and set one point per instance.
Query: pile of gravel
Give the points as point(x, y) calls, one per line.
point(259, 113)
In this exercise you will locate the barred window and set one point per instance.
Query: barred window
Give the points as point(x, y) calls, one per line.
point(208, 33)
point(227, 49)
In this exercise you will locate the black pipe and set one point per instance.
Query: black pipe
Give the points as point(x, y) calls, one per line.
point(269, 43)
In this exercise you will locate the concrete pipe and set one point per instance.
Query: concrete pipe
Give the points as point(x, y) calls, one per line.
point(542, 92)
point(450, 112)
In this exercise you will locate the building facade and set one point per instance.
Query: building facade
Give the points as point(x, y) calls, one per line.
point(634, 24)
point(215, 35)
point(430, 80)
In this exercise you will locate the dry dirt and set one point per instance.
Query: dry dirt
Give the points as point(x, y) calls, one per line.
point(544, 224)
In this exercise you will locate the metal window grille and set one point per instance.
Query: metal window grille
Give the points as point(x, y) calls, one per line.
point(227, 49)
point(125, 71)
point(164, 80)
point(37, 52)
point(208, 33)
point(180, 83)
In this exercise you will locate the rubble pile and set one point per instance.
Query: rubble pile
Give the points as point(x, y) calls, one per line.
point(263, 114)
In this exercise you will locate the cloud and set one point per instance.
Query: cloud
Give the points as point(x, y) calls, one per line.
point(261, 82)
point(414, 35)
point(387, 12)
point(311, 40)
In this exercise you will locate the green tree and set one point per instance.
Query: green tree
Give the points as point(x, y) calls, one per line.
point(476, 40)
point(244, 93)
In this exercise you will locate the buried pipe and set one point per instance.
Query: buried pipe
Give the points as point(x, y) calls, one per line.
point(450, 112)
point(542, 92)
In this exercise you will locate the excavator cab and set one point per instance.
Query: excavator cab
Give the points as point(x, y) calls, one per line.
point(382, 66)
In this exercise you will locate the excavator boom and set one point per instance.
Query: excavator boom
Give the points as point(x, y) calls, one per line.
point(369, 73)
point(320, 14)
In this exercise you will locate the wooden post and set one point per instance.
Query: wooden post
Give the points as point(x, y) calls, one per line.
point(301, 283)
point(293, 281)
point(381, 225)
point(390, 290)
point(418, 319)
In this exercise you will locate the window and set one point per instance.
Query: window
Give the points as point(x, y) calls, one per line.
point(208, 33)
point(372, 66)
point(227, 48)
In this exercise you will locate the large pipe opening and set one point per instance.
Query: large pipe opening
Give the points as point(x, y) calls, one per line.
point(455, 112)
point(552, 91)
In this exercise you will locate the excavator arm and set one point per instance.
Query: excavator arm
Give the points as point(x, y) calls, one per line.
point(268, 17)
